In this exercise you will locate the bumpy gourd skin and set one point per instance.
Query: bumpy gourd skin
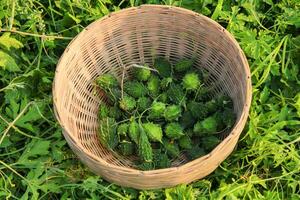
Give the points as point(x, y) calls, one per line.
point(103, 111)
point(165, 83)
point(153, 86)
point(122, 130)
point(185, 142)
point(142, 74)
point(211, 106)
point(210, 142)
point(126, 148)
point(115, 112)
point(171, 148)
point(174, 130)
point(144, 146)
point(146, 166)
point(156, 110)
point(133, 131)
point(191, 81)
point(153, 131)
point(224, 101)
point(163, 67)
point(195, 152)
point(107, 133)
point(183, 65)
point(143, 103)
point(163, 97)
point(228, 117)
point(187, 120)
point(113, 95)
point(197, 109)
point(135, 89)
point(203, 94)
point(128, 103)
point(107, 81)
point(161, 115)
point(172, 112)
point(162, 161)
point(176, 94)
point(206, 126)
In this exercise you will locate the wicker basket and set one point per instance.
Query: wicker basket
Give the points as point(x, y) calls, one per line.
point(138, 35)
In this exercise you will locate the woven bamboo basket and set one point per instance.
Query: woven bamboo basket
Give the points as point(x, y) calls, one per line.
point(134, 36)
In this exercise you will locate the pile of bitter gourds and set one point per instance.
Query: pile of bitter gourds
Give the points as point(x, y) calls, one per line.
point(161, 113)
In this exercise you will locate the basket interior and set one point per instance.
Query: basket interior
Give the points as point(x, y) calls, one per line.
point(125, 39)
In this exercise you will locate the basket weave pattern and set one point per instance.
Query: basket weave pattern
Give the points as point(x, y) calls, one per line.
point(135, 36)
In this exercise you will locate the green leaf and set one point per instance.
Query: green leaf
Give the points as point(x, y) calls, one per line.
point(297, 104)
point(256, 180)
point(12, 109)
point(270, 2)
point(91, 183)
point(217, 10)
point(33, 114)
point(69, 19)
point(6, 142)
point(35, 148)
point(8, 63)
point(264, 95)
point(75, 19)
point(8, 42)
point(181, 192)
point(163, 67)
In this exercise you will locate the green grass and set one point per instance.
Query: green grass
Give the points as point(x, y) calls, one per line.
point(36, 162)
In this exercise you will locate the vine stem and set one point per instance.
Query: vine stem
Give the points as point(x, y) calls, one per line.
point(122, 82)
point(36, 35)
point(14, 171)
point(143, 67)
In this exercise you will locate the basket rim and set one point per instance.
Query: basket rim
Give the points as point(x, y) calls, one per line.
point(238, 125)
